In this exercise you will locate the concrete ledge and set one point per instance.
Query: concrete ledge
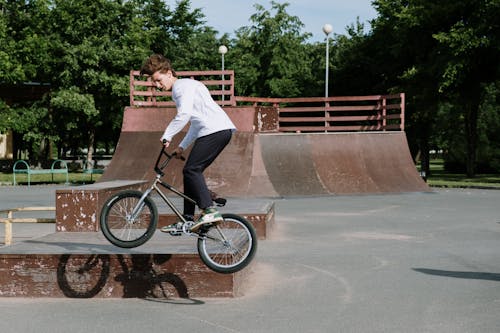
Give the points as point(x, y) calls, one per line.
point(78, 208)
point(259, 212)
point(84, 265)
point(113, 276)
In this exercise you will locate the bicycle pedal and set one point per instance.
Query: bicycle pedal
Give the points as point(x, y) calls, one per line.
point(220, 202)
point(173, 228)
point(175, 233)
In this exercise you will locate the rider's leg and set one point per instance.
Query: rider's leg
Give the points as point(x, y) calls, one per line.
point(189, 207)
point(205, 151)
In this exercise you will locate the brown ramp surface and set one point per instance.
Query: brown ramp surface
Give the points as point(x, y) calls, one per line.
point(139, 145)
point(340, 163)
point(289, 162)
point(274, 164)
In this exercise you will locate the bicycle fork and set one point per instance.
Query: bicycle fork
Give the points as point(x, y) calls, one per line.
point(139, 206)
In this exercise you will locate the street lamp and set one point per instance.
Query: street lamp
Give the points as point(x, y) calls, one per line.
point(222, 51)
point(327, 29)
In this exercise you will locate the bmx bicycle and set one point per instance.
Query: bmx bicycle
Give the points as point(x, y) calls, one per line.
point(129, 219)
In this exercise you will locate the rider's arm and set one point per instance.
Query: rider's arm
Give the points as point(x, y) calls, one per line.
point(183, 95)
point(176, 125)
point(189, 138)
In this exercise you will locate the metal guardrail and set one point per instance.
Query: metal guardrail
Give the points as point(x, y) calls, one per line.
point(11, 219)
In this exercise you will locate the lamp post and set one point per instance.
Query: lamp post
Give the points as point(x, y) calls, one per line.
point(327, 29)
point(222, 51)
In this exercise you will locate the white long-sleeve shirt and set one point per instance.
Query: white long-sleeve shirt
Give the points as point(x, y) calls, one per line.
point(195, 105)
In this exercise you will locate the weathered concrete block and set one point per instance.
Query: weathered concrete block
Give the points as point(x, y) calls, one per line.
point(78, 208)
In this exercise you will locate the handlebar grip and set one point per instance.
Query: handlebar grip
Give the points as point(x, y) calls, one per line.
point(182, 157)
point(159, 167)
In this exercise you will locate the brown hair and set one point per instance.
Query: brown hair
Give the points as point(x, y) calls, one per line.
point(157, 62)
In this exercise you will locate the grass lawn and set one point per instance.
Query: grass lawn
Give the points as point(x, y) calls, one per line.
point(438, 178)
point(22, 179)
point(441, 178)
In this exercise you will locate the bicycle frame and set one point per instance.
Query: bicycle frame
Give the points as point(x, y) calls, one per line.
point(154, 187)
point(225, 246)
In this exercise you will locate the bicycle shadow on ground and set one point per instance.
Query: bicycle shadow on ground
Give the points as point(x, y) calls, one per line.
point(460, 275)
point(175, 301)
point(137, 276)
point(76, 246)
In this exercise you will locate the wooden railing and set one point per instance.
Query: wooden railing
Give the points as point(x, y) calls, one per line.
point(304, 114)
point(144, 94)
point(11, 219)
point(336, 114)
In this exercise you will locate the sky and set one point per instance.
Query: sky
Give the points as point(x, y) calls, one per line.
point(226, 16)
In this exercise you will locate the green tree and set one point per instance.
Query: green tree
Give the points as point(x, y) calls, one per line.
point(32, 127)
point(405, 61)
point(11, 69)
point(180, 34)
point(22, 56)
point(440, 52)
point(85, 50)
point(470, 53)
point(489, 129)
point(355, 67)
point(270, 57)
point(91, 52)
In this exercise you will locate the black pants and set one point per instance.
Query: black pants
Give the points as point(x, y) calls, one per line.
point(205, 151)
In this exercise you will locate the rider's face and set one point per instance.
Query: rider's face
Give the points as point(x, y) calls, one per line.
point(163, 81)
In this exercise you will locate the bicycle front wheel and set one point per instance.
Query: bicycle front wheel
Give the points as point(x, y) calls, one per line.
point(228, 246)
point(126, 221)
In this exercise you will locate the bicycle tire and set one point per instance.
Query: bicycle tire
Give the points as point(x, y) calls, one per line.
point(81, 276)
point(116, 226)
point(233, 254)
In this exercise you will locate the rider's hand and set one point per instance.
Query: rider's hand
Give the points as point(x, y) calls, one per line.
point(178, 152)
point(165, 143)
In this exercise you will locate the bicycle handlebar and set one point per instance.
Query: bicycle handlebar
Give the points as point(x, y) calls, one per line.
point(159, 167)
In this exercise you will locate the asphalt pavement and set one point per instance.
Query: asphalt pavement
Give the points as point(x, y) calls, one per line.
point(413, 262)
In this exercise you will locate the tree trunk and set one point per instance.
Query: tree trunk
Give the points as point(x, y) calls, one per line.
point(471, 118)
point(90, 151)
point(41, 154)
point(425, 169)
point(424, 129)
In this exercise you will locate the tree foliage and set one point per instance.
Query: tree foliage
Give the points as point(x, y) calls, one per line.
point(270, 57)
point(444, 55)
point(85, 50)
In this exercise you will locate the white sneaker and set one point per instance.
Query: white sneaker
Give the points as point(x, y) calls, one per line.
point(174, 229)
point(208, 216)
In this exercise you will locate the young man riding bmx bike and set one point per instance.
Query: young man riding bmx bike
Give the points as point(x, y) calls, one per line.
point(210, 129)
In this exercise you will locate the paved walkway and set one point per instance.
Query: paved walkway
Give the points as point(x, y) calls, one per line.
point(420, 262)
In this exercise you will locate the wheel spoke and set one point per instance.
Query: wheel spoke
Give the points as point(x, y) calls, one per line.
point(118, 225)
point(229, 246)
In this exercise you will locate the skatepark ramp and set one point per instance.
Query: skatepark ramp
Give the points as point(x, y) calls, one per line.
point(283, 147)
point(283, 164)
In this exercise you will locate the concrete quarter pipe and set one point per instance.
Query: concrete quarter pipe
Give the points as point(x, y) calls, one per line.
point(275, 164)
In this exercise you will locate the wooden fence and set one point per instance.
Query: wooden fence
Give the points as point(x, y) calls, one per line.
point(336, 114)
point(304, 114)
point(144, 94)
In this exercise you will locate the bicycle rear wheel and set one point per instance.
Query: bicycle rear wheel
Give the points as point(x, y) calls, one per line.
point(228, 246)
point(120, 227)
